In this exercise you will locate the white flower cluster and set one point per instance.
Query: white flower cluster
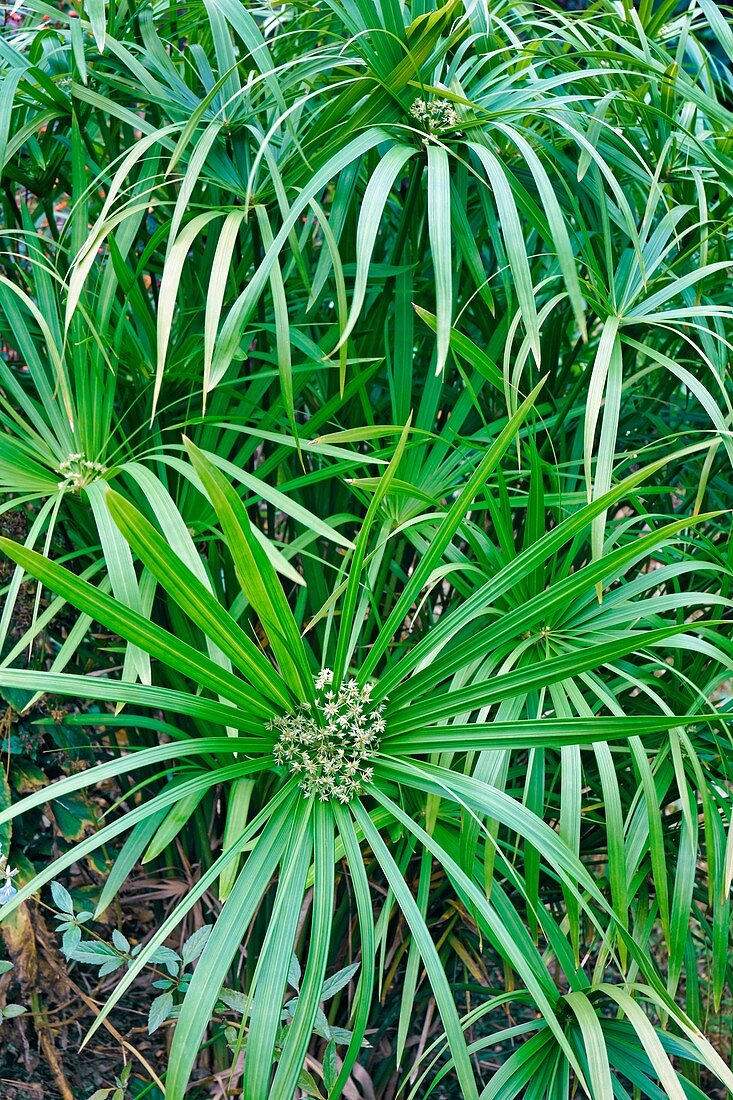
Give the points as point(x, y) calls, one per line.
point(77, 471)
point(7, 874)
point(327, 746)
point(435, 114)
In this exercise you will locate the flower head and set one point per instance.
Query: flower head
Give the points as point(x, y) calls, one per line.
point(7, 874)
point(435, 114)
point(328, 746)
point(77, 471)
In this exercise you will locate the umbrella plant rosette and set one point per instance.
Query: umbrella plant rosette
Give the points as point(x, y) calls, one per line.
point(409, 739)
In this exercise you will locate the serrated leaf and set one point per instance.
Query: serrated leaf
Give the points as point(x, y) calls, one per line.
point(330, 1069)
point(70, 941)
point(321, 1025)
point(309, 1085)
point(342, 1036)
point(195, 944)
point(234, 1000)
point(62, 898)
point(110, 966)
point(160, 1010)
point(120, 942)
point(95, 952)
point(167, 957)
point(337, 981)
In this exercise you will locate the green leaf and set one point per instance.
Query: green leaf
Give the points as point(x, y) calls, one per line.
point(223, 942)
point(514, 242)
point(97, 16)
point(338, 981)
point(433, 966)
point(62, 898)
point(160, 1011)
point(439, 228)
point(256, 576)
point(299, 1032)
point(134, 626)
point(445, 533)
point(195, 599)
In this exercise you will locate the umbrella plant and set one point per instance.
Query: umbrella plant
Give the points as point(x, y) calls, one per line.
point(364, 375)
point(328, 753)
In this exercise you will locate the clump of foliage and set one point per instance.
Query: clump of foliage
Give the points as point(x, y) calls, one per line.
point(365, 394)
point(9, 1011)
